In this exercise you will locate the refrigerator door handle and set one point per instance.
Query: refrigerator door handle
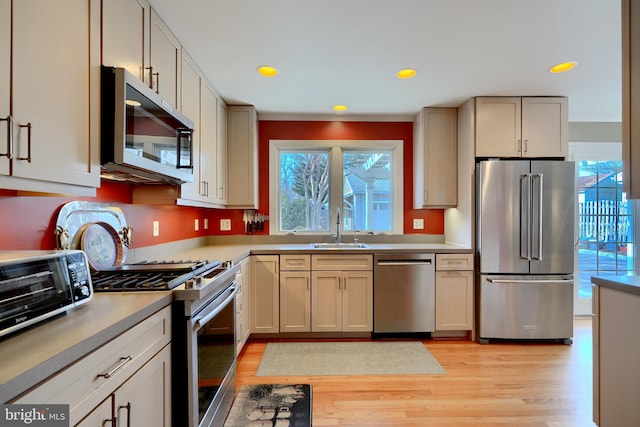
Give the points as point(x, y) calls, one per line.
point(525, 210)
point(529, 281)
point(539, 177)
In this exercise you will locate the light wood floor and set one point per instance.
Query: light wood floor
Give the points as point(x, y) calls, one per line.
point(499, 384)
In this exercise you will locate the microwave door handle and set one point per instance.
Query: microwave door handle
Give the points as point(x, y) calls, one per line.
point(183, 133)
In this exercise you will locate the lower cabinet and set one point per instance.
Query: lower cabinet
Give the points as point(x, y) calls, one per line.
point(265, 289)
point(342, 301)
point(295, 301)
point(454, 292)
point(129, 378)
point(144, 399)
point(243, 302)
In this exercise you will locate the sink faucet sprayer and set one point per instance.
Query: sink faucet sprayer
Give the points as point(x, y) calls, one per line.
point(337, 225)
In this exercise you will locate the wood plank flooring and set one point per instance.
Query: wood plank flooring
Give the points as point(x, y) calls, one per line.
point(499, 384)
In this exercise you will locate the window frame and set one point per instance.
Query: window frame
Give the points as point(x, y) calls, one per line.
point(335, 149)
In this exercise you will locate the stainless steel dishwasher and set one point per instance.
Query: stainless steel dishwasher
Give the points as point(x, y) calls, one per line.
point(404, 293)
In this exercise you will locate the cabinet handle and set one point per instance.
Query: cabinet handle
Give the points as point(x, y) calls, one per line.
point(111, 421)
point(307, 283)
point(221, 193)
point(526, 146)
point(151, 74)
point(519, 148)
point(128, 408)
point(426, 195)
point(28, 158)
point(123, 361)
point(9, 153)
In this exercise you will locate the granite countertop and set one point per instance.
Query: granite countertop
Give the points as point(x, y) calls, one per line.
point(627, 284)
point(32, 355)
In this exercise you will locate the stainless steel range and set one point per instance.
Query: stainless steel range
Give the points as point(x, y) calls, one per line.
point(203, 324)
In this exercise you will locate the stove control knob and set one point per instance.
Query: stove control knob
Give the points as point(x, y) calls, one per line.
point(198, 280)
point(189, 284)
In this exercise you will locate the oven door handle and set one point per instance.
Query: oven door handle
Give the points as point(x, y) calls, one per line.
point(201, 320)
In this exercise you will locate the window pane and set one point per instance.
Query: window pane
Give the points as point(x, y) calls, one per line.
point(304, 191)
point(367, 191)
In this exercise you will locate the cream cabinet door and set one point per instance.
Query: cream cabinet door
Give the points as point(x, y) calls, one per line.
point(125, 40)
point(545, 127)
point(357, 301)
point(208, 142)
point(454, 300)
point(145, 398)
point(55, 86)
point(265, 294)
point(498, 126)
point(295, 301)
point(242, 152)
point(326, 301)
point(5, 84)
point(164, 58)
point(435, 168)
point(190, 107)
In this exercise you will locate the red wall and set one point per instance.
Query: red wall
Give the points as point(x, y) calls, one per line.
point(28, 222)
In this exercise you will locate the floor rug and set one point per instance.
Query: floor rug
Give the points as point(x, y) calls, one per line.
point(271, 405)
point(347, 358)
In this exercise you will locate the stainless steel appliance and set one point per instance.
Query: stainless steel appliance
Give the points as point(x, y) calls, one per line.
point(403, 293)
point(36, 285)
point(203, 331)
point(143, 138)
point(525, 245)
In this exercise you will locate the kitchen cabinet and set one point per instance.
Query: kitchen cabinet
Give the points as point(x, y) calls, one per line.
point(342, 293)
point(435, 158)
point(243, 302)
point(135, 37)
point(49, 83)
point(222, 193)
point(295, 293)
point(521, 127)
point(144, 399)
point(132, 370)
point(265, 294)
point(242, 154)
point(631, 98)
point(454, 292)
point(616, 376)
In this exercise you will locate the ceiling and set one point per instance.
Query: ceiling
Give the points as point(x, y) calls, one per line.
point(347, 52)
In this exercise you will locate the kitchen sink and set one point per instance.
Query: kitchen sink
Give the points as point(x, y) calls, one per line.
point(339, 245)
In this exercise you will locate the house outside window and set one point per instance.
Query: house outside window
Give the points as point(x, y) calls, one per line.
point(311, 180)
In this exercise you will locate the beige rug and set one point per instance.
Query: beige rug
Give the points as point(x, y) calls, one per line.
point(347, 358)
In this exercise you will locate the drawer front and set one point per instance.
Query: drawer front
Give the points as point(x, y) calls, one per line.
point(454, 262)
point(89, 381)
point(293, 262)
point(342, 262)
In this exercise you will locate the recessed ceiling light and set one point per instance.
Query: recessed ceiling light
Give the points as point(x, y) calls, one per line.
point(561, 68)
point(340, 107)
point(267, 71)
point(132, 103)
point(406, 73)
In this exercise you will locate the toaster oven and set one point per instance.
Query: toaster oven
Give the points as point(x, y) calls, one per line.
point(36, 285)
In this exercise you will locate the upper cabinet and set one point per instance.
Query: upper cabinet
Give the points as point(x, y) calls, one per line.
point(136, 38)
point(631, 98)
point(49, 83)
point(521, 127)
point(242, 154)
point(435, 158)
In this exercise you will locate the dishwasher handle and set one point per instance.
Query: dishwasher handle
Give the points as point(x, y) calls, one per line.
point(406, 262)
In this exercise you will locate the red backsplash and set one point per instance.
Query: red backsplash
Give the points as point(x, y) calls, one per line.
point(28, 222)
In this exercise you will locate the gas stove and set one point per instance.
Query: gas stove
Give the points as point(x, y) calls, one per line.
point(154, 275)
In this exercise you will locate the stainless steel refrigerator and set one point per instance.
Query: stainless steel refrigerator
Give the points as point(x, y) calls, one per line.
point(525, 229)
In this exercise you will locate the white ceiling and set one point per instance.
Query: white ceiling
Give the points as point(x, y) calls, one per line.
point(347, 52)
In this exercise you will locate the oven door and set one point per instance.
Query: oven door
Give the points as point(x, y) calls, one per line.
point(212, 360)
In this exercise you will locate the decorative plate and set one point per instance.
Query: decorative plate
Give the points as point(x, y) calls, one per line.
point(102, 245)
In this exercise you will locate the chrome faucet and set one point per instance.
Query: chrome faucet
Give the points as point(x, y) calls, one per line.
point(338, 226)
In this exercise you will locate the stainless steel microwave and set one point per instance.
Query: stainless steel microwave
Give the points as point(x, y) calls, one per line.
point(143, 138)
point(37, 285)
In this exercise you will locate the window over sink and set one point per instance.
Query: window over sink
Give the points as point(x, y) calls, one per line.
point(311, 180)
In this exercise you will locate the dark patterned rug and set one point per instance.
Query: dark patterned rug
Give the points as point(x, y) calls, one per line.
point(267, 405)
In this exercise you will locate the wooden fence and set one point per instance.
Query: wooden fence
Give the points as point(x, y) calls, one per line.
point(604, 221)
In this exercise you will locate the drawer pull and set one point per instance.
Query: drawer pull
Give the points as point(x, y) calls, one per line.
point(123, 361)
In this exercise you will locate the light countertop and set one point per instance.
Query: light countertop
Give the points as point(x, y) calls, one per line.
point(32, 355)
point(627, 284)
